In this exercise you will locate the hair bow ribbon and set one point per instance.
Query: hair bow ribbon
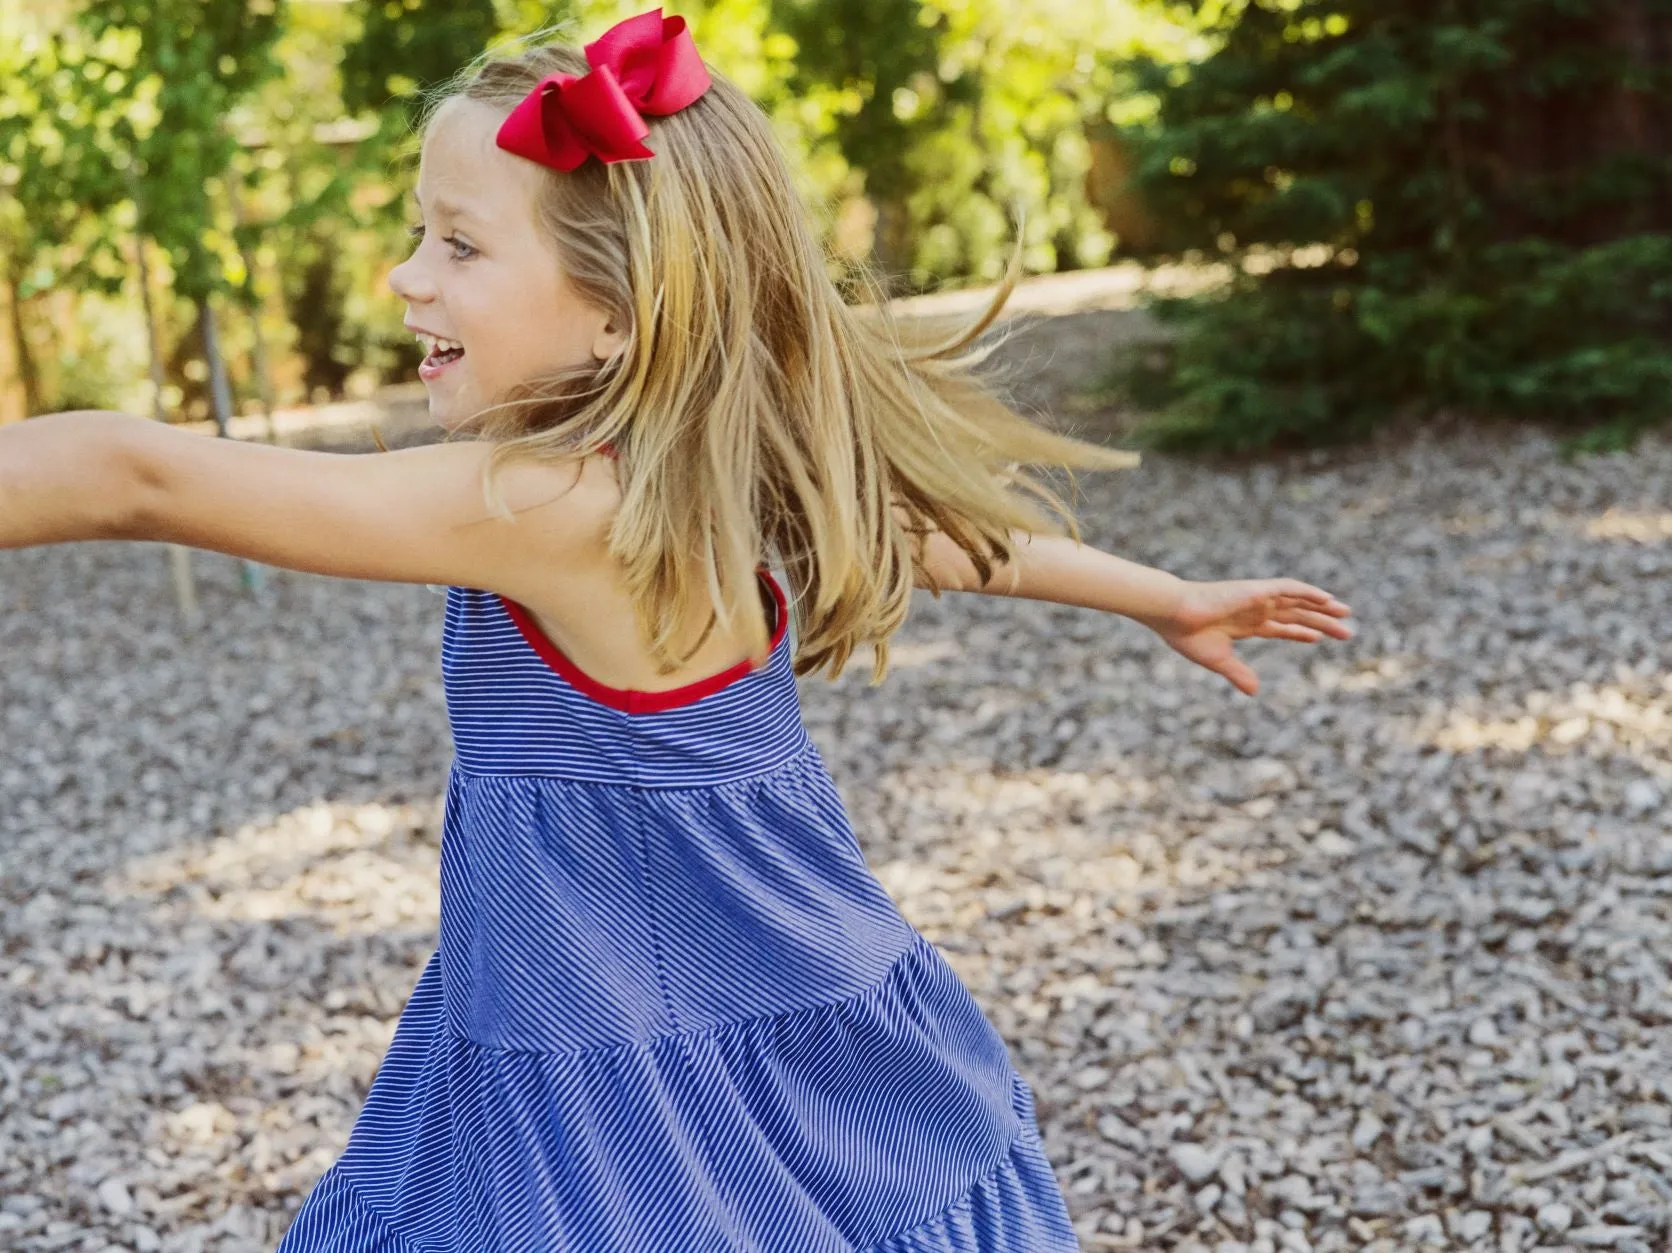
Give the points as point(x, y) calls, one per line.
point(646, 64)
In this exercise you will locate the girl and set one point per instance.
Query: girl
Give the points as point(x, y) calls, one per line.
point(671, 1009)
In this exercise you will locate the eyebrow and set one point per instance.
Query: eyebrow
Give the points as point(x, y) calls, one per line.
point(449, 207)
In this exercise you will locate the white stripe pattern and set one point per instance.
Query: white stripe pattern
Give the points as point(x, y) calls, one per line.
point(672, 1008)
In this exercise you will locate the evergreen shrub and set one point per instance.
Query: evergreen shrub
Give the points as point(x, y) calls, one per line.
point(1426, 205)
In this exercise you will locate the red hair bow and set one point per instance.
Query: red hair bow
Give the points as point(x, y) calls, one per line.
point(646, 64)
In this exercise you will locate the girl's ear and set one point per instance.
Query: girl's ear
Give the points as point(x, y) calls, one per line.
point(608, 341)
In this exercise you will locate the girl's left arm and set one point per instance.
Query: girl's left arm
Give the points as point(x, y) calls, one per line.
point(1199, 620)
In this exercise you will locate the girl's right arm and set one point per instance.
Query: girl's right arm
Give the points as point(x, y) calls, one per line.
point(1201, 621)
point(64, 478)
point(412, 516)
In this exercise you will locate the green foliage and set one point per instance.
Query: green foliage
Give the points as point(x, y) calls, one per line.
point(185, 65)
point(962, 116)
point(267, 146)
point(1425, 205)
point(406, 46)
point(63, 173)
point(60, 175)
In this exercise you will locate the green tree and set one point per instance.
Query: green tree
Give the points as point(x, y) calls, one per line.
point(405, 46)
point(63, 179)
point(1429, 204)
point(958, 113)
point(189, 65)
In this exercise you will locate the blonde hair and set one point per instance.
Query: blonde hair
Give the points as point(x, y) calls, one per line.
point(752, 408)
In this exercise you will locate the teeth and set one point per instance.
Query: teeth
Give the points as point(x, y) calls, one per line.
point(434, 344)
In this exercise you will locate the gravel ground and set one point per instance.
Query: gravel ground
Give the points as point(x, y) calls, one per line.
point(1374, 961)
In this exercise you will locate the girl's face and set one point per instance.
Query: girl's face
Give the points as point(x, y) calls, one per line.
point(483, 278)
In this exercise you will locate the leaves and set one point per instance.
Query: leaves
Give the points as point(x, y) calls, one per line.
point(1497, 241)
point(268, 148)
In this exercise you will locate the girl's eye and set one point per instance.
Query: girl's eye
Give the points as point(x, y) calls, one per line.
point(416, 231)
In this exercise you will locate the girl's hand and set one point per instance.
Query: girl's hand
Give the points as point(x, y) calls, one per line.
point(1207, 618)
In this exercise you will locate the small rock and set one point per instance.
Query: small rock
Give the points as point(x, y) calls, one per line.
point(113, 1195)
point(1425, 1229)
point(1232, 1173)
point(1657, 1117)
point(1554, 1218)
point(1294, 1241)
point(1118, 1131)
point(1473, 1225)
point(1483, 1033)
point(1378, 1201)
point(1090, 1077)
point(1642, 797)
point(1561, 1076)
point(1195, 1163)
point(1603, 1236)
point(1367, 1130)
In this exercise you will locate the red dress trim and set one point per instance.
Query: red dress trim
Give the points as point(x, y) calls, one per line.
point(631, 700)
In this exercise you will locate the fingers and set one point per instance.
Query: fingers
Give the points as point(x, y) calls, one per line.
point(1289, 631)
point(1295, 591)
point(1326, 623)
point(1242, 677)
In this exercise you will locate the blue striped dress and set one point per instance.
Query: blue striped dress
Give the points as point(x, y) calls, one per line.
point(672, 1009)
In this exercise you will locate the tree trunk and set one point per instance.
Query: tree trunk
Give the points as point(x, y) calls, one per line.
point(890, 244)
point(220, 394)
point(221, 398)
point(259, 359)
point(27, 372)
point(179, 556)
point(159, 377)
point(1635, 119)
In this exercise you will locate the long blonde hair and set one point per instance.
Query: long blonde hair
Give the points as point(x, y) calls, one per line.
point(753, 410)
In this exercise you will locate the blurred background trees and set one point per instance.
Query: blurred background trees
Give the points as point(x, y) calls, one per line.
point(1414, 206)
point(1428, 205)
point(245, 165)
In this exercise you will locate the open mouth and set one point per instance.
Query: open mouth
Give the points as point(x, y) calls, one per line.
point(440, 353)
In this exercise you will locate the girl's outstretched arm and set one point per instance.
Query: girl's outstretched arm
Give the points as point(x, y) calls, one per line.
point(1201, 621)
point(63, 478)
point(412, 516)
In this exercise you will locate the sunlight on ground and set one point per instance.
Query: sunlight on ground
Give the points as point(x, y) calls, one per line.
point(1650, 526)
point(904, 656)
point(1641, 528)
point(359, 869)
point(1048, 842)
point(1364, 675)
point(977, 790)
point(1609, 717)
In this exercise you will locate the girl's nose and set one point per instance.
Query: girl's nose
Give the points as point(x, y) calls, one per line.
point(407, 281)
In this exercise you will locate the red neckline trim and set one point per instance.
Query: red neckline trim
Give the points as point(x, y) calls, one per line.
point(632, 700)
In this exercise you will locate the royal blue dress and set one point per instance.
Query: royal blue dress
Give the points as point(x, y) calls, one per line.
point(672, 1009)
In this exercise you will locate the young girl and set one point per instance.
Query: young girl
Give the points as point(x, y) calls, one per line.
point(671, 1009)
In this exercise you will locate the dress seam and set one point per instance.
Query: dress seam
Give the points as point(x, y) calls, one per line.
point(802, 749)
point(963, 1201)
point(916, 946)
point(651, 915)
point(352, 1191)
